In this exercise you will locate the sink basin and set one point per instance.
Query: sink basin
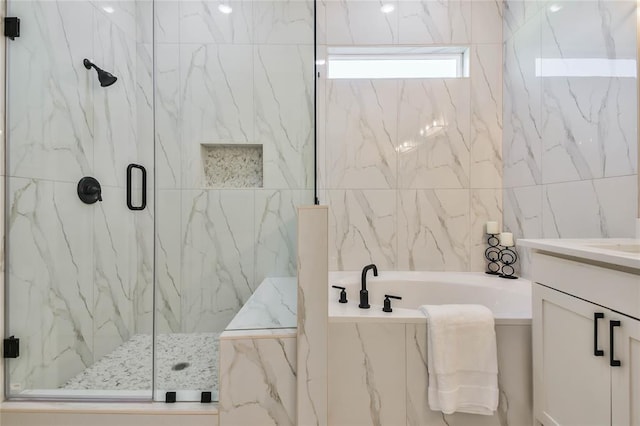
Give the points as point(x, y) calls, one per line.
point(625, 248)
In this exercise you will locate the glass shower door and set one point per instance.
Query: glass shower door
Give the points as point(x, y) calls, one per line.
point(79, 255)
point(234, 158)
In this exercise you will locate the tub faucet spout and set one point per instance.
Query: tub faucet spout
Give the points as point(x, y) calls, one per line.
point(364, 294)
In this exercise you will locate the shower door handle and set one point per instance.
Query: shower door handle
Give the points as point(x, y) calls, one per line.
point(143, 204)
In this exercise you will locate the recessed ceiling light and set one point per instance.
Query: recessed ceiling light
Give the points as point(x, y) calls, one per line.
point(554, 8)
point(387, 8)
point(225, 8)
point(108, 9)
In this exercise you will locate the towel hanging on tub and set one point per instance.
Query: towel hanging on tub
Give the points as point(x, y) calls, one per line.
point(462, 359)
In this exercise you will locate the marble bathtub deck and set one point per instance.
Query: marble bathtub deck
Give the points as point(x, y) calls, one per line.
point(129, 366)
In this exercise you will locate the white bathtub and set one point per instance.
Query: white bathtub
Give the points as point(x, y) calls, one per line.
point(509, 300)
point(377, 370)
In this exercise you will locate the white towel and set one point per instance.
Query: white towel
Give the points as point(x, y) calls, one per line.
point(462, 359)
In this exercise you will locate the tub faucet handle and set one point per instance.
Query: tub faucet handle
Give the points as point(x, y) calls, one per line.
point(387, 302)
point(343, 293)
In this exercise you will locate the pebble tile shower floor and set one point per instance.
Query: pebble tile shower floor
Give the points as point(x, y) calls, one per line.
point(186, 361)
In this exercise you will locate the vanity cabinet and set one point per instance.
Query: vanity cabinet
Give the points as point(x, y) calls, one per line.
point(586, 354)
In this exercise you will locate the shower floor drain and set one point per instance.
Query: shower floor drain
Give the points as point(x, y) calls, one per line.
point(180, 366)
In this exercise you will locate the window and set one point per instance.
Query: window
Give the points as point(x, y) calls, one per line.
point(397, 62)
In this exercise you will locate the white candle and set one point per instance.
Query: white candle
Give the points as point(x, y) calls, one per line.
point(506, 239)
point(492, 228)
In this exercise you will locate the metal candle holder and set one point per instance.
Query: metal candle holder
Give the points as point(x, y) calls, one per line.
point(508, 257)
point(492, 254)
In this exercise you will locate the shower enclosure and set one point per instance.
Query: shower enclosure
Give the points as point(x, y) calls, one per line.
point(156, 154)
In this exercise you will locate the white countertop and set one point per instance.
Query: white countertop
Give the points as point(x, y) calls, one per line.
point(594, 249)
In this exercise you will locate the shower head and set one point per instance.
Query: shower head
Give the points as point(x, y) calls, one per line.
point(106, 78)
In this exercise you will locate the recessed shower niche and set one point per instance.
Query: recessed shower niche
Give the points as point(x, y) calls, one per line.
point(232, 165)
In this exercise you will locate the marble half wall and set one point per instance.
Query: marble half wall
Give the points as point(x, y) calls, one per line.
point(313, 311)
point(258, 377)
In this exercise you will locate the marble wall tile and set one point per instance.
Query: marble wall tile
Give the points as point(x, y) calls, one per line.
point(145, 143)
point(168, 113)
point(352, 22)
point(51, 123)
point(216, 101)
point(144, 21)
point(568, 133)
point(366, 365)
point(144, 286)
point(283, 108)
point(168, 267)
point(486, 116)
point(486, 205)
point(367, 128)
point(321, 22)
point(115, 252)
point(523, 217)
point(362, 229)
point(217, 245)
point(167, 22)
point(486, 22)
point(202, 22)
point(522, 146)
point(121, 13)
point(434, 117)
point(433, 230)
point(434, 22)
point(613, 202)
point(258, 381)
point(275, 233)
point(115, 113)
point(589, 29)
point(517, 13)
point(361, 131)
point(51, 274)
point(313, 274)
point(523, 211)
point(283, 22)
point(143, 290)
point(589, 130)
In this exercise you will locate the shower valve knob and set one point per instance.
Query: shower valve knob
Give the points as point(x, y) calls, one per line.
point(89, 190)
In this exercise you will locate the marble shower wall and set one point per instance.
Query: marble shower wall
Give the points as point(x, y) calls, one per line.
point(239, 78)
point(73, 268)
point(422, 209)
point(570, 143)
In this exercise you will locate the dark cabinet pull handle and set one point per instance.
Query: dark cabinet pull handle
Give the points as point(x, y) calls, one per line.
point(596, 317)
point(612, 361)
point(130, 168)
